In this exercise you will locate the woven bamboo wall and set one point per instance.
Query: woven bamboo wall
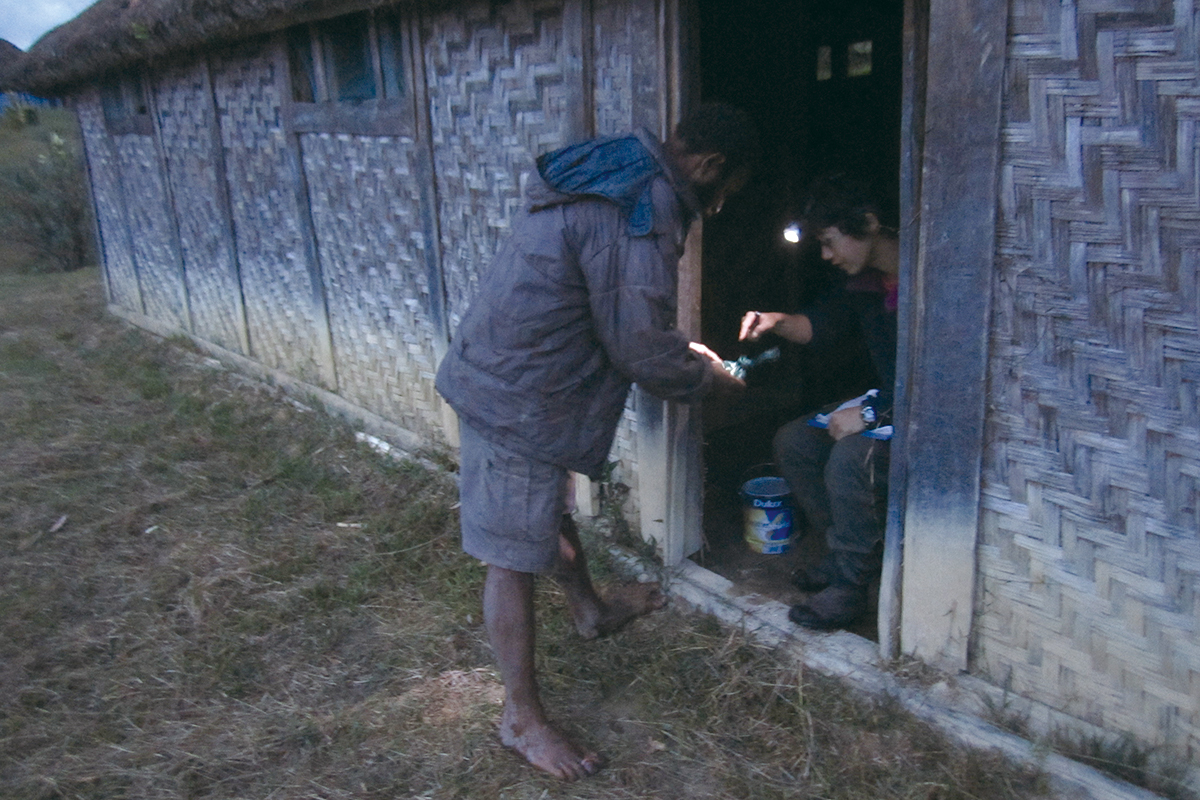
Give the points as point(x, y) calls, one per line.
point(109, 204)
point(366, 208)
point(151, 229)
point(187, 126)
point(1089, 596)
point(497, 98)
point(284, 306)
point(626, 59)
point(308, 252)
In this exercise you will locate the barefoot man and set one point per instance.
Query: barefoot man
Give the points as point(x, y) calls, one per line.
point(578, 304)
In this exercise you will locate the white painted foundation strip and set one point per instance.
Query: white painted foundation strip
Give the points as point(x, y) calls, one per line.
point(856, 661)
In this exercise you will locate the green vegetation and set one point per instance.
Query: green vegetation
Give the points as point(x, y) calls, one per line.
point(44, 208)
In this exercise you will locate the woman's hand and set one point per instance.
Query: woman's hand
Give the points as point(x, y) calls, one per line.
point(756, 323)
point(845, 422)
point(793, 327)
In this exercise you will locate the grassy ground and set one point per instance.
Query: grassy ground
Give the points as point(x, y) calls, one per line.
point(208, 592)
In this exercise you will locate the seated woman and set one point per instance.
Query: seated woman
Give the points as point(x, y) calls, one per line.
point(838, 475)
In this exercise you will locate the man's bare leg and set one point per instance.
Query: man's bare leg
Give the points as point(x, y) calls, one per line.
point(508, 615)
point(595, 616)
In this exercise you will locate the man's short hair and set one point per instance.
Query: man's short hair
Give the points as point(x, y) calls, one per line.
point(842, 201)
point(725, 129)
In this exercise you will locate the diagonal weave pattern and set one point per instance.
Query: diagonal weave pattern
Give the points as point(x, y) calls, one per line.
point(120, 274)
point(186, 121)
point(1089, 589)
point(283, 307)
point(497, 99)
point(150, 231)
point(366, 209)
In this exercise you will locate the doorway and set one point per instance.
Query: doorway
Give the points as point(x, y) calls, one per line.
point(823, 79)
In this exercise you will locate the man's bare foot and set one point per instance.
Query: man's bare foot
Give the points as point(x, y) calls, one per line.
point(546, 748)
point(621, 604)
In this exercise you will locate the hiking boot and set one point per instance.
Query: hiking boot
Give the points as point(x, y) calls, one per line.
point(838, 566)
point(835, 607)
point(814, 578)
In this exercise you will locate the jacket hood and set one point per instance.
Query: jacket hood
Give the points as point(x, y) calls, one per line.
point(620, 169)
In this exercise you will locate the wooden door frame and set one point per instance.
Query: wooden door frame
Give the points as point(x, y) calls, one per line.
point(950, 149)
point(949, 254)
point(669, 435)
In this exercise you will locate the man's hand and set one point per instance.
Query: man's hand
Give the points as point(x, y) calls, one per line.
point(724, 385)
point(846, 422)
point(707, 352)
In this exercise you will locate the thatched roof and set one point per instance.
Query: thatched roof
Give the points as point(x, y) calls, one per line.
point(115, 33)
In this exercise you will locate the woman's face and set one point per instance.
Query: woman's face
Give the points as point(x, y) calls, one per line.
point(848, 253)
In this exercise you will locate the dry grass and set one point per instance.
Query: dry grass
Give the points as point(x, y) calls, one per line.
point(210, 593)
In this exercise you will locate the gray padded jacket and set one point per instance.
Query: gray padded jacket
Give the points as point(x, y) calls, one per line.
point(573, 309)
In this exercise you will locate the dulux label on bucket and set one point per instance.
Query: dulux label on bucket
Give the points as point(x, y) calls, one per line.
point(766, 503)
point(768, 516)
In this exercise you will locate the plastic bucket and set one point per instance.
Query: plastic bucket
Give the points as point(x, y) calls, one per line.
point(767, 506)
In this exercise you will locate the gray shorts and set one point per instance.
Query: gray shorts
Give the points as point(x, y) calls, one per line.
point(511, 506)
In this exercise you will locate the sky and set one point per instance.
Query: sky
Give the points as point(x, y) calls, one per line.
point(23, 21)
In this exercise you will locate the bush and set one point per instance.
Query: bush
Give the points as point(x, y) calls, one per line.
point(44, 206)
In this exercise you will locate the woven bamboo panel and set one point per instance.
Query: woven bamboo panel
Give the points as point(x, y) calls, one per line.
point(624, 456)
point(186, 121)
point(151, 235)
point(284, 310)
point(1089, 561)
point(625, 65)
point(497, 99)
point(366, 208)
point(109, 204)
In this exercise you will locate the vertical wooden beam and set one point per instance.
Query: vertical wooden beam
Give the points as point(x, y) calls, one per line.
point(185, 296)
point(646, 67)
point(670, 443)
point(912, 138)
point(947, 386)
point(226, 204)
point(123, 193)
point(430, 204)
point(308, 236)
point(685, 507)
point(579, 68)
point(652, 462)
point(89, 185)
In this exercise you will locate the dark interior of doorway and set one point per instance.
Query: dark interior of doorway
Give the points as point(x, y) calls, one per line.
point(822, 78)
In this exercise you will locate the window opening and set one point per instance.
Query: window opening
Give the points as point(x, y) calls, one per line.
point(125, 105)
point(858, 59)
point(348, 58)
point(391, 54)
point(113, 101)
point(300, 63)
point(824, 62)
point(349, 75)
